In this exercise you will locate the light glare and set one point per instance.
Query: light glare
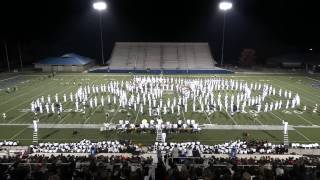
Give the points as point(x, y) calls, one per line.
point(100, 5)
point(224, 5)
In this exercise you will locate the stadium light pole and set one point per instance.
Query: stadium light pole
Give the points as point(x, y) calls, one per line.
point(7, 55)
point(100, 6)
point(224, 6)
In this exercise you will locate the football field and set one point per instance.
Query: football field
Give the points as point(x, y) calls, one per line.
point(19, 90)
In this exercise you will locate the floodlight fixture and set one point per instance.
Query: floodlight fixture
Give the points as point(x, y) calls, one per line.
point(225, 5)
point(99, 5)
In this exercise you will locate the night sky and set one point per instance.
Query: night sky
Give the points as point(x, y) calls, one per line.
point(54, 27)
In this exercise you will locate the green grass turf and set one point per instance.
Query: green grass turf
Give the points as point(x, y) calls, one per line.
point(36, 85)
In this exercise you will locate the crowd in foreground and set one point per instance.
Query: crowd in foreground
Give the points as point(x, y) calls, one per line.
point(71, 167)
point(243, 169)
point(136, 168)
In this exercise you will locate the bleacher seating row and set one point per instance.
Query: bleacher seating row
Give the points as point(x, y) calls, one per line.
point(163, 71)
point(183, 56)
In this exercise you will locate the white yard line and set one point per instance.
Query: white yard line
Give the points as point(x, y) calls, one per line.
point(136, 117)
point(21, 115)
point(304, 119)
point(9, 78)
point(85, 122)
point(313, 79)
point(257, 119)
point(228, 114)
point(184, 118)
point(207, 117)
point(64, 118)
point(276, 116)
point(302, 135)
point(110, 121)
point(18, 133)
point(2, 124)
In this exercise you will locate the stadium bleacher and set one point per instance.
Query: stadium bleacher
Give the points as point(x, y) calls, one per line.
point(156, 58)
point(161, 55)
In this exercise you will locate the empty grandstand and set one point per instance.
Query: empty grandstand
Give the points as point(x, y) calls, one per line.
point(175, 56)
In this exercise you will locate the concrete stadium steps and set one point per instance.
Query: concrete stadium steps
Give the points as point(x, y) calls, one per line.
point(35, 138)
point(159, 135)
point(286, 139)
